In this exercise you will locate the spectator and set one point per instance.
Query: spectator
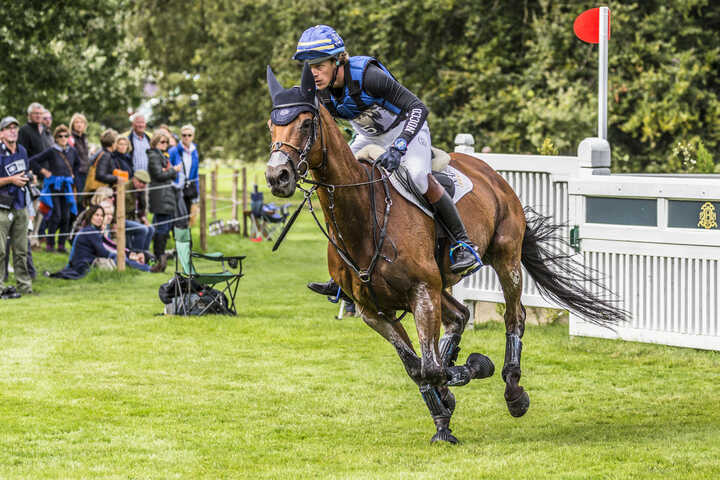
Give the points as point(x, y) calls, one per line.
point(57, 165)
point(30, 135)
point(134, 259)
point(47, 137)
point(186, 155)
point(138, 230)
point(108, 167)
point(101, 194)
point(78, 139)
point(14, 165)
point(121, 155)
point(164, 128)
point(163, 197)
point(139, 142)
point(107, 143)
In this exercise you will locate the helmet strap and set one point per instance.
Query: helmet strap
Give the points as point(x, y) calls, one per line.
point(335, 71)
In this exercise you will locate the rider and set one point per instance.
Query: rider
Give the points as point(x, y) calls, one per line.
point(382, 112)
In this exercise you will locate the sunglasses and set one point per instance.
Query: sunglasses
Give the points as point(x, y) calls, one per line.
point(63, 135)
point(187, 134)
point(162, 141)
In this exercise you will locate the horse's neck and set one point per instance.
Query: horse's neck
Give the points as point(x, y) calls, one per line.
point(346, 204)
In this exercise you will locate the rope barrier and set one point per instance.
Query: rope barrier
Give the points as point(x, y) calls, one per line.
point(87, 194)
point(172, 220)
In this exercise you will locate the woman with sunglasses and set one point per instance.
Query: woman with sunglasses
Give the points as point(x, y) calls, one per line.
point(163, 197)
point(185, 154)
point(57, 165)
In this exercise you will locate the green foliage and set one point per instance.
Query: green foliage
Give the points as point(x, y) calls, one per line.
point(512, 73)
point(70, 56)
point(548, 148)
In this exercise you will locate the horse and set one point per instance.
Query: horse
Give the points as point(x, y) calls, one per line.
point(382, 251)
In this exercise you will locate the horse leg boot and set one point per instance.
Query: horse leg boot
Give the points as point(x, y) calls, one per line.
point(464, 252)
point(455, 317)
point(441, 403)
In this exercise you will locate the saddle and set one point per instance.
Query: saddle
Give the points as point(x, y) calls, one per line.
point(455, 183)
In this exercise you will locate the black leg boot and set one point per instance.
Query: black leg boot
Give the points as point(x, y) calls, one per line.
point(329, 289)
point(159, 243)
point(464, 261)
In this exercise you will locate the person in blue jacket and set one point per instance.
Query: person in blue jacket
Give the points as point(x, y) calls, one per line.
point(382, 112)
point(186, 154)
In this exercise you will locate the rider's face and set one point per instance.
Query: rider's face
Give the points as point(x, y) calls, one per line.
point(323, 73)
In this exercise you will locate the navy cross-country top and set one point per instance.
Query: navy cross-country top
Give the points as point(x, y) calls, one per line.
point(374, 101)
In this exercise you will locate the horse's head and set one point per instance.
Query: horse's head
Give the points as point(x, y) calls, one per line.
point(294, 125)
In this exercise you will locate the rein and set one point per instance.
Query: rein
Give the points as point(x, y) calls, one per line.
point(379, 231)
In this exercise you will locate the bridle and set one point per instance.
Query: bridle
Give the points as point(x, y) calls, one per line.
point(305, 151)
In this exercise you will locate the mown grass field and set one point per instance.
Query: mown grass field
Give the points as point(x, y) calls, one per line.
point(93, 384)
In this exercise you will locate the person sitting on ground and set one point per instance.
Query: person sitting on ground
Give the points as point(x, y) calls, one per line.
point(134, 259)
point(88, 246)
point(101, 194)
point(57, 165)
point(137, 227)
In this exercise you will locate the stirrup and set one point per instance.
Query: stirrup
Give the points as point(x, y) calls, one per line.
point(336, 298)
point(473, 269)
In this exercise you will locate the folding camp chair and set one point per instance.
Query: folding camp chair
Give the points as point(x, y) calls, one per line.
point(266, 218)
point(188, 278)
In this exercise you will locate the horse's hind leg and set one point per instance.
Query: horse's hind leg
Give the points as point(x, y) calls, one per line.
point(439, 400)
point(455, 316)
point(507, 265)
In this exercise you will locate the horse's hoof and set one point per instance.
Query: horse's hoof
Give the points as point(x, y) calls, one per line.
point(480, 366)
point(519, 405)
point(444, 435)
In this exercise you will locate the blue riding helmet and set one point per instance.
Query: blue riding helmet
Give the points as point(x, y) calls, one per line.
point(317, 44)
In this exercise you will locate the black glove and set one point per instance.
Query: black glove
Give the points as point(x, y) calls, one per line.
point(391, 159)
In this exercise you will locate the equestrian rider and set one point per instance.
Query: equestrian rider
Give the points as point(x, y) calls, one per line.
point(382, 112)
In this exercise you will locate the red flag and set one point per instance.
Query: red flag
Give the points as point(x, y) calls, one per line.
point(587, 26)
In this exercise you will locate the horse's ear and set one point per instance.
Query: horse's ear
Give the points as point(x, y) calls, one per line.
point(273, 84)
point(307, 84)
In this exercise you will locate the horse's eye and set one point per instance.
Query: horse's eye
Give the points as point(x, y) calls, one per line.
point(305, 127)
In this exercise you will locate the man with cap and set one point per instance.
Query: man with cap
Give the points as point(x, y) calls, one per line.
point(14, 165)
point(138, 228)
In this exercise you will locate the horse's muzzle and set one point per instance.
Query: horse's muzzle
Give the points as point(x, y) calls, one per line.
point(280, 175)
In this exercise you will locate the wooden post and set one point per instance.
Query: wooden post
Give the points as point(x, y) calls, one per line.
point(203, 218)
point(235, 195)
point(120, 223)
point(244, 200)
point(213, 188)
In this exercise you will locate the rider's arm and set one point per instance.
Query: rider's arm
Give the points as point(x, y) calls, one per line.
point(378, 84)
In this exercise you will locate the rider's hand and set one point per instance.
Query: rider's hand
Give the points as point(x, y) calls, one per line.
point(391, 159)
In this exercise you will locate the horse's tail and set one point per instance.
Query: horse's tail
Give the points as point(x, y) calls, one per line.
point(562, 279)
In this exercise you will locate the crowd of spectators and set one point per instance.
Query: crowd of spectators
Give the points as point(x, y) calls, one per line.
point(58, 192)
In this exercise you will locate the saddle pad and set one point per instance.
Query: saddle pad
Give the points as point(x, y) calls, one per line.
point(462, 186)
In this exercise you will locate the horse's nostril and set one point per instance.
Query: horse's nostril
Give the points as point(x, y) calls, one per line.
point(284, 177)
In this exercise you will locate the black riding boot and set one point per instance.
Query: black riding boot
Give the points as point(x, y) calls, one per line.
point(464, 260)
point(329, 289)
point(159, 243)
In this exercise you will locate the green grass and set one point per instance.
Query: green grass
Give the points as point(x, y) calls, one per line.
point(94, 385)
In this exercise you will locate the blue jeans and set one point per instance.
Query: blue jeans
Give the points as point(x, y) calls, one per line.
point(138, 235)
point(162, 223)
point(80, 179)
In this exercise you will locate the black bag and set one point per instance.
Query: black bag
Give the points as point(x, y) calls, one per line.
point(189, 189)
point(207, 301)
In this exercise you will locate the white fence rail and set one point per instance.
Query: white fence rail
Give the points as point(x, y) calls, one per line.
point(663, 265)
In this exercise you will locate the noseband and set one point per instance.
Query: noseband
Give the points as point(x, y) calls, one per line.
point(302, 154)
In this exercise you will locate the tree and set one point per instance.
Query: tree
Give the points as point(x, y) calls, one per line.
point(70, 56)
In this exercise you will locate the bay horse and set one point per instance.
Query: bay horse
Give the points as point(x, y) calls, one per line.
point(382, 248)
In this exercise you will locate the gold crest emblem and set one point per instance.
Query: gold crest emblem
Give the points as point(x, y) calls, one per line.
point(708, 217)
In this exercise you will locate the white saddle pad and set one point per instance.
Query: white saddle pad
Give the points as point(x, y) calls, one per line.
point(462, 183)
